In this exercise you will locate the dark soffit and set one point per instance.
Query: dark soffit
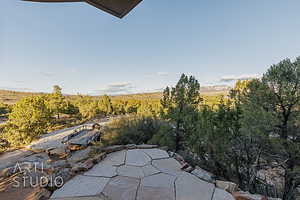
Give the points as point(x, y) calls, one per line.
point(118, 8)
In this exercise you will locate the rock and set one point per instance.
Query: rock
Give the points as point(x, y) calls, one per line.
point(114, 148)
point(228, 186)
point(130, 171)
point(146, 146)
point(203, 174)
point(137, 157)
point(247, 196)
point(102, 170)
point(156, 153)
point(79, 155)
point(60, 164)
point(84, 138)
point(81, 186)
point(43, 194)
point(157, 187)
point(130, 146)
point(220, 194)
point(61, 152)
point(121, 188)
point(188, 169)
point(9, 159)
point(168, 166)
point(99, 157)
point(116, 158)
point(75, 147)
point(149, 170)
point(189, 187)
point(82, 166)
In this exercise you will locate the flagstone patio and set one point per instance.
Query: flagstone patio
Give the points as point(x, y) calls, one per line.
point(139, 174)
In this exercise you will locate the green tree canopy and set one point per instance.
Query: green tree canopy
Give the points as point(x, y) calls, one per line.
point(30, 117)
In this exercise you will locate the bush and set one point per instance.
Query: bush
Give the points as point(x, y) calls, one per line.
point(137, 130)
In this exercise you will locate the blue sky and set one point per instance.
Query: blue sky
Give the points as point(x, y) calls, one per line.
point(87, 51)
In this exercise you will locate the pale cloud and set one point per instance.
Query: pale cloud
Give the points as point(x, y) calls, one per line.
point(162, 73)
point(47, 74)
point(17, 89)
point(239, 77)
point(116, 88)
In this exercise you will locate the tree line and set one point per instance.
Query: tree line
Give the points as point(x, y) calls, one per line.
point(256, 128)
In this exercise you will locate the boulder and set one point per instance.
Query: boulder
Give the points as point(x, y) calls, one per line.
point(226, 185)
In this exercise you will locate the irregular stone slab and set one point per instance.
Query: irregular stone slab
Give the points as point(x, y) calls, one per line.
point(203, 174)
point(157, 187)
point(156, 153)
point(150, 170)
point(81, 186)
point(84, 138)
point(116, 158)
point(222, 195)
point(130, 171)
point(10, 158)
point(137, 157)
point(121, 188)
point(155, 193)
point(159, 180)
point(189, 187)
point(146, 146)
point(102, 170)
point(168, 166)
point(55, 139)
point(51, 140)
point(36, 158)
point(79, 155)
point(226, 185)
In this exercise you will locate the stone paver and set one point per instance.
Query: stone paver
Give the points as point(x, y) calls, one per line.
point(80, 155)
point(156, 187)
point(121, 188)
point(189, 187)
point(102, 170)
point(168, 166)
point(156, 153)
point(220, 194)
point(10, 158)
point(150, 170)
point(130, 171)
point(137, 157)
point(116, 158)
point(81, 186)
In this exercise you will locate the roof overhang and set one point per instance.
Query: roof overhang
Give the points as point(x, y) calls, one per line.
point(118, 8)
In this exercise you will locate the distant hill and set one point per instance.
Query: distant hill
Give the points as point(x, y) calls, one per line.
point(11, 97)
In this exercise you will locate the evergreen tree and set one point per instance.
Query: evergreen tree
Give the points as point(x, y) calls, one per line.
point(179, 105)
